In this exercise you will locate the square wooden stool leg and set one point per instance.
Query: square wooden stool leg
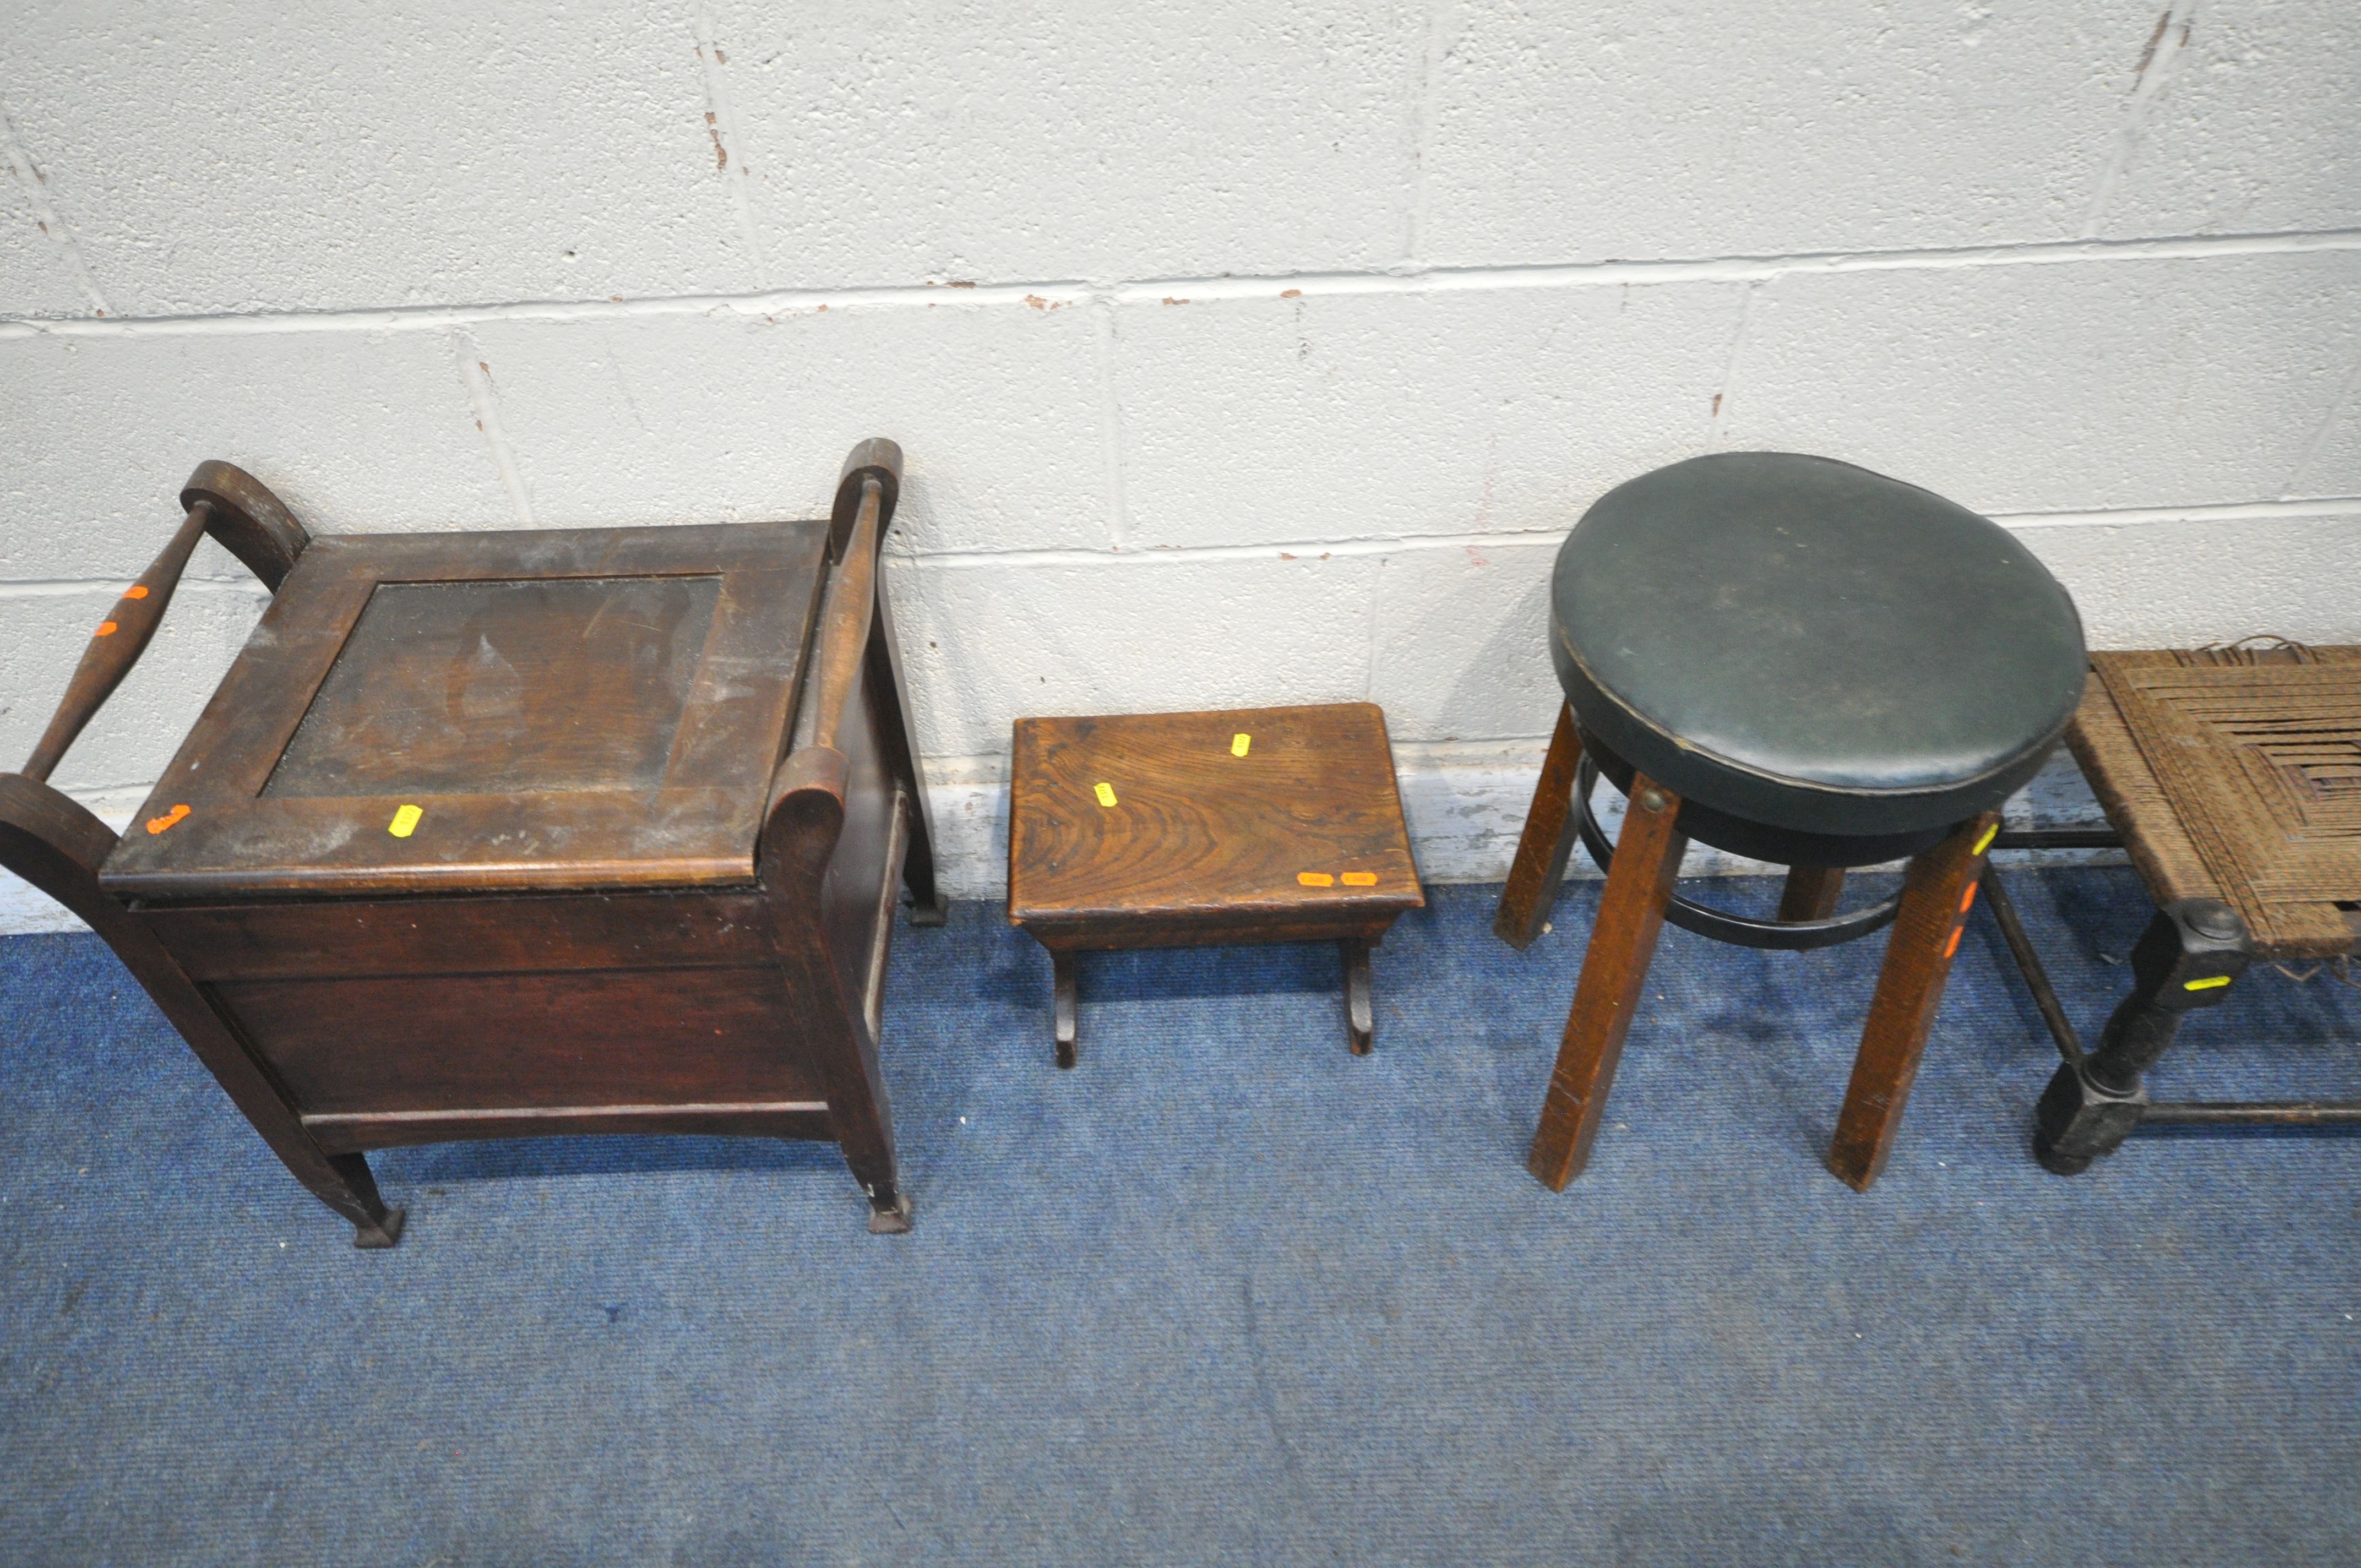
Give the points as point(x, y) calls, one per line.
point(1935, 894)
point(1811, 893)
point(1614, 972)
point(1543, 847)
point(1063, 1005)
point(864, 1127)
point(1360, 1001)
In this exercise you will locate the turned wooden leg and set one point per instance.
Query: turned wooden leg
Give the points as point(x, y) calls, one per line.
point(1360, 1004)
point(1936, 896)
point(1543, 847)
point(1062, 1005)
point(863, 1124)
point(1811, 893)
point(862, 1119)
point(1614, 971)
point(2186, 960)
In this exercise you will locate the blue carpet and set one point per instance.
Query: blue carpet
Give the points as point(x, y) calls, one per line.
point(1221, 1294)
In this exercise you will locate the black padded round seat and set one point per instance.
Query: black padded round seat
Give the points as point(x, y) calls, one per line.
point(1795, 643)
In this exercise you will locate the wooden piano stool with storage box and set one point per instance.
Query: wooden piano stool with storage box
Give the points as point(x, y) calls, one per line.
point(494, 835)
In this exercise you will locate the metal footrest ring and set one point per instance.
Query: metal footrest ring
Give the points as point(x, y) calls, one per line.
point(1719, 924)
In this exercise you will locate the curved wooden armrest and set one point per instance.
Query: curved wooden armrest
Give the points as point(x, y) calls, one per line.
point(852, 646)
point(223, 500)
point(248, 520)
point(54, 844)
point(805, 818)
point(848, 607)
point(875, 459)
point(806, 808)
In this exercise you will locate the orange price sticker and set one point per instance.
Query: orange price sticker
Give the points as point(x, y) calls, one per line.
point(158, 824)
point(1360, 878)
point(106, 629)
point(1315, 879)
point(136, 591)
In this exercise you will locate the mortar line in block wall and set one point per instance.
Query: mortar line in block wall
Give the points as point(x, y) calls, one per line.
point(1422, 115)
point(485, 399)
point(728, 146)
point(1718, 424)
point(2330, 507)
point(2245, 512)
point(1567, 275)
point(1118, 517)
point(2320, 433)
point(45, 212)
point(2156, 69)
point(1745, 268)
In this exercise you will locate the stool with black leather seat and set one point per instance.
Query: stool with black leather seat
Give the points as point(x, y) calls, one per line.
point(1800, 661)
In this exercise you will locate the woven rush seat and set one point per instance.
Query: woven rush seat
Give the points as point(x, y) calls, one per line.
point(2235, 774)
point(2232, 777)
point(1805, 663)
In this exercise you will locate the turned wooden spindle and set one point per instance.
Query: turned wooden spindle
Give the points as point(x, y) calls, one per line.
point(117, 644)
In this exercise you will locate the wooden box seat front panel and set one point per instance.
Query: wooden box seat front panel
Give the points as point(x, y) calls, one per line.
point(588, 1003)
point(571, 1038)
point(579, 708)
point(1302, 835)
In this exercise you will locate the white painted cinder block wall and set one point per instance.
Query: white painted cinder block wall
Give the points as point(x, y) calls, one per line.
point(1243, 353)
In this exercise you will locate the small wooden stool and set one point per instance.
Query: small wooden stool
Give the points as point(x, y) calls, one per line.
point(1803, 662)
point(2233, 777)
point(1200, 829)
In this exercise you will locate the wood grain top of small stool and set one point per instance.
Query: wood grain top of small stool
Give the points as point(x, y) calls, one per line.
point(1198, 830)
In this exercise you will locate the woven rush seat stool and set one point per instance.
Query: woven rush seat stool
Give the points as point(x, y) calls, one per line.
point(1205, 829)
point(507, 834)
point(2232, 776)
point(1800, 661)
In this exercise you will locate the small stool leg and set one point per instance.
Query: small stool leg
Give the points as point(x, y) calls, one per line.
point(375, 1226)
point(2185, 959)
point(1360, 1003)
point(1811, 893)
point(1936, 894)
point(1063, 1005)
point(1547, 840)
point(1614, 971)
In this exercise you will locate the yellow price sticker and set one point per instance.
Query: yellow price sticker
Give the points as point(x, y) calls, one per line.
point(1105, 792)
point(1986, 842)
point(1239, 742)
point(2207, 984)
point(405, 821)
